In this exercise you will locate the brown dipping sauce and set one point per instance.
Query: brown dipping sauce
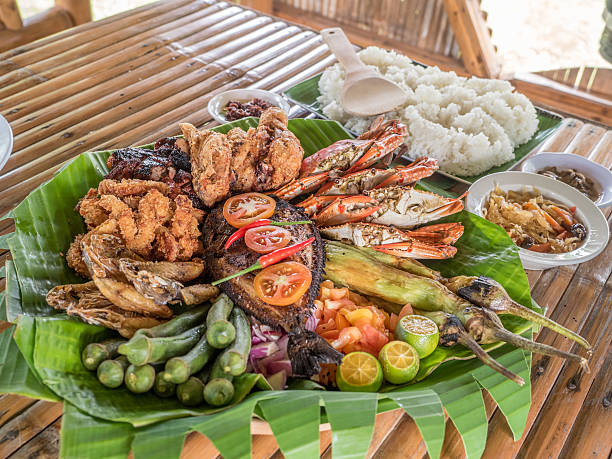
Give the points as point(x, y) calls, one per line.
point(574, 179)
point(235, 110)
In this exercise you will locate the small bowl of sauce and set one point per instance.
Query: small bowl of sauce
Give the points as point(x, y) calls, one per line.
point(574, 179)
point(240, 103)
point(591, 179)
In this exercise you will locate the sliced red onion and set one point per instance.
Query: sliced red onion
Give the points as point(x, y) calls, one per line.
point(272, 335)
point(262, 350)
point(256, 340)
point(311, 323)
point(279, 365)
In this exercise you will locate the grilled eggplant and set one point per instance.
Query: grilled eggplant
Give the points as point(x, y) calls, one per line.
point(306, 349)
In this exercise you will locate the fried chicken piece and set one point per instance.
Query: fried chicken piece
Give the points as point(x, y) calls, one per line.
point(243, 160)
point(280, 155)
point(211, 156)
point(166, 245)
point(139, 231)
point(130, 187)
point(74, 257)
point(154, 210)
point(120, 211)
point(185, 227)
point(90, 209)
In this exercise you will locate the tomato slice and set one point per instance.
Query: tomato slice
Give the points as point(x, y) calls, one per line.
point(242, 209)
point(282, 284)
point(266, 239)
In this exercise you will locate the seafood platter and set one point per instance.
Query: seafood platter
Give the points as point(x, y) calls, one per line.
point(236, 269)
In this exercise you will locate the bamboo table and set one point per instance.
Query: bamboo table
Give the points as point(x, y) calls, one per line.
point(129, 79)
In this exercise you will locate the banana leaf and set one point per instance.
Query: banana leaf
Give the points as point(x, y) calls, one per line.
point(307, 92)
point(48, 344)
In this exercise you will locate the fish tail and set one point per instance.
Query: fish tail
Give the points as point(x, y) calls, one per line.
point(307, 351)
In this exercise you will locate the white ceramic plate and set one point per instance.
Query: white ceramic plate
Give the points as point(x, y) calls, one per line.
point(592, 170)
point(218, 103)
point(6, 141)
point(598, 232)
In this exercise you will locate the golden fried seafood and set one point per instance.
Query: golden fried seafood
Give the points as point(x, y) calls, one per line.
point(262, 159)
point(211, 155)
point(151, 223)
point(87, 302)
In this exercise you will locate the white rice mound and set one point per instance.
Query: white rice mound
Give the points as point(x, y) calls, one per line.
point(468, 124)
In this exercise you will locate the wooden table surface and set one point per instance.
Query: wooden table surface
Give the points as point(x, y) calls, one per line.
point(129, 79)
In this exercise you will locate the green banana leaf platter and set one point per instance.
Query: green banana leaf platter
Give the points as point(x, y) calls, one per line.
point(306, 94)
point(40, 352)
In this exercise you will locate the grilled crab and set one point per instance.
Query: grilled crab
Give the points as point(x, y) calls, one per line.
point(346, 157)
point(408, 207)
point(428, 242)
point(403, 207)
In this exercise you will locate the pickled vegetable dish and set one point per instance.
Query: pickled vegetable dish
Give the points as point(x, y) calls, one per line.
point(535, 222)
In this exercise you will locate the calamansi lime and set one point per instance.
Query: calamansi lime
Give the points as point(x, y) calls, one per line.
point(400, 362)
point(420, 332)
point(359, 372)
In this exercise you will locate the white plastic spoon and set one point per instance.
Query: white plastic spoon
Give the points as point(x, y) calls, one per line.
point(365, 92)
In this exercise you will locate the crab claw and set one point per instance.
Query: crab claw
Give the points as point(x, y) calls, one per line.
point(339, 155)
point(417, 249)
point(315, 204)
point(300, 186)
point(379, 149)
point(381, 128)
point(442, 233)
point(421, 168)
point(355, 183)
point(346, 209)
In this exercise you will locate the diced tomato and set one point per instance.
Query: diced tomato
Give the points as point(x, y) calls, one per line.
point(341, 321)
point(331, 334)
point(347, 335)
point(326, 326)
point(338, 293)
point(373, 337)
point(337, 304)
point(360, 316)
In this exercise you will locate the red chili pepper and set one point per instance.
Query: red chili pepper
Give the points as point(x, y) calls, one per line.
point(263, 222)
point(269, 259)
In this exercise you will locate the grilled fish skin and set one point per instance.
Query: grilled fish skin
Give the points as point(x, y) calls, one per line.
point(306, 349)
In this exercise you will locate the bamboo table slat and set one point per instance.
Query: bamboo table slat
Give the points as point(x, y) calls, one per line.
point(129, 79)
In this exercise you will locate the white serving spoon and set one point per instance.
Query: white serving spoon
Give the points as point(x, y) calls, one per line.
point(365, 92)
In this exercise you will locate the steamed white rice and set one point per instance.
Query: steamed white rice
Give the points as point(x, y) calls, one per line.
point(468, 125)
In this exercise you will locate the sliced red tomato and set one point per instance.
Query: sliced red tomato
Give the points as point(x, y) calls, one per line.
point(282, 284)
point(242, 209)
point(266, 239)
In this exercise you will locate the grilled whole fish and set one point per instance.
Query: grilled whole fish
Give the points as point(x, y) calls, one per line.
point(306, 349)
